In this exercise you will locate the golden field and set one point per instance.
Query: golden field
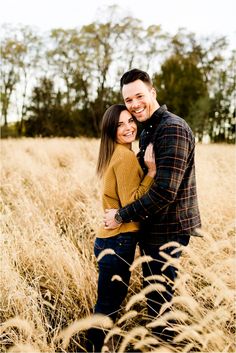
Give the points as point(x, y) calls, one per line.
point(50, 210)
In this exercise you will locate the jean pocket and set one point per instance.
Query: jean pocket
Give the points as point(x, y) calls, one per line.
point(127, 238)
point(101, 244)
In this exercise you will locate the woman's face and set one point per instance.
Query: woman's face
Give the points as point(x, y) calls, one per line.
point(127, 128)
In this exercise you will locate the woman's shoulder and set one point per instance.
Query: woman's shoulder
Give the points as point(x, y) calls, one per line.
point(123, 158)
point(122, 152)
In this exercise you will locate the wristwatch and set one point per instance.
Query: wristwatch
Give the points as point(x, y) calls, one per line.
point(118, 218)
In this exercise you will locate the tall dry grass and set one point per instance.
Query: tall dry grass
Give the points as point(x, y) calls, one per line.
point(50, 210)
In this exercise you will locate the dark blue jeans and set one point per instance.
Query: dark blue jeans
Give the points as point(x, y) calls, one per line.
point(111, 293)
point(156, 299)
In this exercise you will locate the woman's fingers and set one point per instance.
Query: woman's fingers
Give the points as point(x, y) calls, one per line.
point(149, 153)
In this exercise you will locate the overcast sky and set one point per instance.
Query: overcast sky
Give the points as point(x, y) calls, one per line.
point(204, 17)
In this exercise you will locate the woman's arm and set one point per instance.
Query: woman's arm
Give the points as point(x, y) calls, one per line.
point(131, 184)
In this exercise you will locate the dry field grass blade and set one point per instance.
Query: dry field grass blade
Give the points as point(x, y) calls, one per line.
point(97, 320)
point(50, 212)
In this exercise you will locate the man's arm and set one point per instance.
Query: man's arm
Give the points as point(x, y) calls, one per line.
point(172, 149)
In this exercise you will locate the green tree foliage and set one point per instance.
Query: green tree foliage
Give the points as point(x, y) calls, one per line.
point(61, 84)
point(47, 115)
point(19, 57)
point(197, 85)
point(222, 113)
point(11, 52)
point(181, 86)
point(84, 60)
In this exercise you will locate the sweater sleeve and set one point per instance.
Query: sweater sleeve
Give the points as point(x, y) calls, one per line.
point(131, 184)
point(173, 150)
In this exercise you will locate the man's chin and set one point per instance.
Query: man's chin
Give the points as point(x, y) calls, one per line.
point(141, 118)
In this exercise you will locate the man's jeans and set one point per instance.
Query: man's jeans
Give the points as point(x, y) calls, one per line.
point(158, 266)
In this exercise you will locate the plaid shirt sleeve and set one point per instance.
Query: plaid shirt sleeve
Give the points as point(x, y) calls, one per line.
point(173, 145)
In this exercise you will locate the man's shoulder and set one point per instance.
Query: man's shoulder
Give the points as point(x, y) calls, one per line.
point(172, 120)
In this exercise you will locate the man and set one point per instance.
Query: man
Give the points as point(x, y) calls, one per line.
point(169, 210)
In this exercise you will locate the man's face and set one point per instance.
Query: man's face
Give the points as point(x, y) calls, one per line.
point(140, 99)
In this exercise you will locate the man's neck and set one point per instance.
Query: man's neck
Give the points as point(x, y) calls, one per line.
point(157, 106)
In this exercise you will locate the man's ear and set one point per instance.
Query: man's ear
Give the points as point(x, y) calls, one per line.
point(154, 93)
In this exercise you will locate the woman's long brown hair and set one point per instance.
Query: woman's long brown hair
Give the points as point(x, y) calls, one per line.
point(109, 128)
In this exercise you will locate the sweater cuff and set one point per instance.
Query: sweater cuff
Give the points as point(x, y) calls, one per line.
point(147, 181)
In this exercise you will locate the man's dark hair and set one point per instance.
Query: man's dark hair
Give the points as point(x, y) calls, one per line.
point(133, 75)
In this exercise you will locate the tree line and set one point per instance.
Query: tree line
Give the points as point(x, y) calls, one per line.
point(60, 83)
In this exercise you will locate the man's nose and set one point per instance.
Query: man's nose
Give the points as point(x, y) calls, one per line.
point(135, 103)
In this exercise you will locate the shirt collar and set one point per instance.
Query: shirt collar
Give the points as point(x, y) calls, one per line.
point(154, 119)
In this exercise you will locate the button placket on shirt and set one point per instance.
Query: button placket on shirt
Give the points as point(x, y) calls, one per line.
point(144, 145)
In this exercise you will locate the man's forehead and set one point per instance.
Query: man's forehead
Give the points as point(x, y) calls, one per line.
point(133, 89)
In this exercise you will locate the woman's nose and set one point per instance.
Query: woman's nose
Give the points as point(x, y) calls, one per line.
point(128, 126)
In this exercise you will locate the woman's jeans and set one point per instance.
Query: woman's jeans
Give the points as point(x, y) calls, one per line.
point(112, 291)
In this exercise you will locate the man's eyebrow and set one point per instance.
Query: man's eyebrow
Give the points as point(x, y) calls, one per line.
point(136, 94)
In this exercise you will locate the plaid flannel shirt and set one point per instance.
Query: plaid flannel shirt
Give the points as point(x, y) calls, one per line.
point(170, 206)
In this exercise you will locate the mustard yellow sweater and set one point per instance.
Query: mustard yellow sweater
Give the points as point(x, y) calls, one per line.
point(123, 183)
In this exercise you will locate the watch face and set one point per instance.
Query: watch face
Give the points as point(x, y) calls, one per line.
point(118, 218)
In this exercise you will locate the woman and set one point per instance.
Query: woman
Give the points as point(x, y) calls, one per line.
point(123, 182)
